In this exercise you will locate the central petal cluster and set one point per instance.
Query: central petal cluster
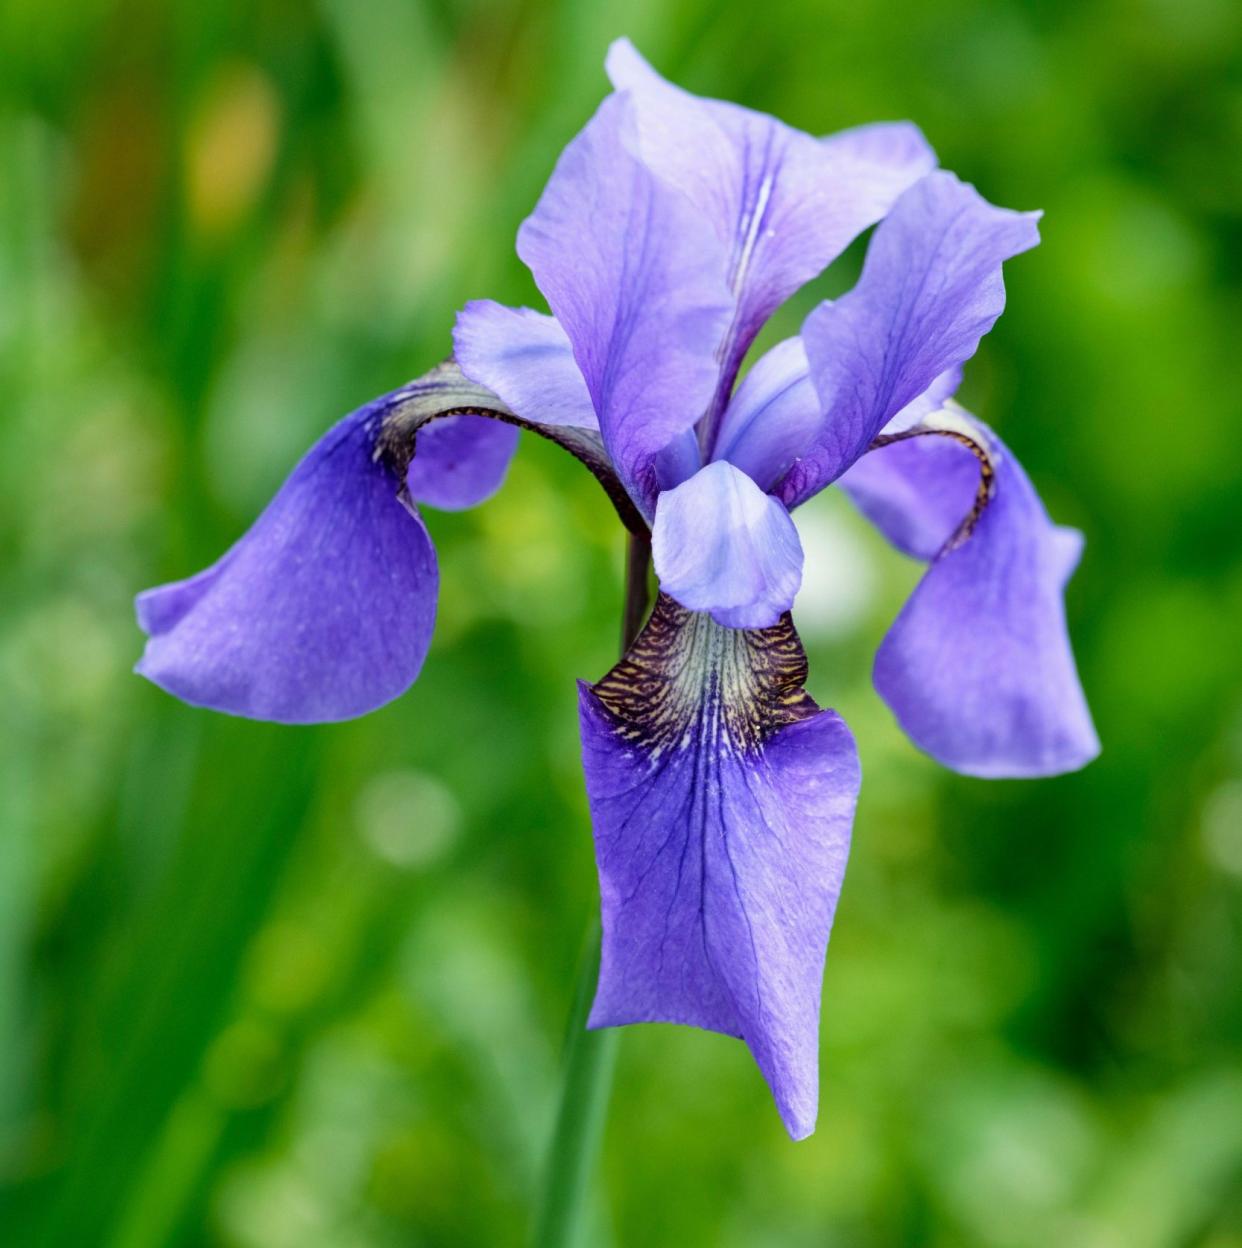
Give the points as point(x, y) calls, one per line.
point(721, 795)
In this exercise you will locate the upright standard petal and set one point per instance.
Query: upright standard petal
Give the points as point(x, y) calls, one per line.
point(784, 205)
point(930, 289)
point(527, 359)
point(635, 281)
point(722, 800)
point(773, 416)
point(720, 544)
point(977, 667)
point(322, 611)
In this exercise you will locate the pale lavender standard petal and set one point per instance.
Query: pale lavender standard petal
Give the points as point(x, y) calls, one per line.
point(635, 281)
point(978, 666)
point(720, 544)
point(527, 359)
point(460, 461)
point(784, 205)
point(322, 611)
point(931, 287)
point(773, 416)
point(722, 800)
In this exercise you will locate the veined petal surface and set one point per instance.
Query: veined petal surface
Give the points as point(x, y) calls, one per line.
point(720, 544)
point(978, 666)
point(722, 800)
point(930, 289)
point(322, 611)
point(635, 282)
point(773, 416)
point(782, 204)
point(527, 359)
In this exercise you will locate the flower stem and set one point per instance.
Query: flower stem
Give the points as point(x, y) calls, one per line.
point(589, 1055)
point(637, 593)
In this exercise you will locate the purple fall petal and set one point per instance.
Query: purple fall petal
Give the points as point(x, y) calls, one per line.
point(722, 800)
point(460, 461)
point(526, 358)
point(720, 544)
point(635, 281)
point(977, 667)
point(930, 289)
point(782, 204)
point(322, 611)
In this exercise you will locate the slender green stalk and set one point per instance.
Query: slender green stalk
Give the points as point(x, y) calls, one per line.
point(589, 1055)
point(637, 592)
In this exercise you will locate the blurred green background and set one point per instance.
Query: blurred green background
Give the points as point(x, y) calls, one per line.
point(265, 987)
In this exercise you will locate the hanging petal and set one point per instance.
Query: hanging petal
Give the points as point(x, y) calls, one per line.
point(720, 544)
point(784, 205)
point(635, 281)
point(525, 357)
point(930, 289)
point(977, 667)
point(722, 800)
point(322, 611)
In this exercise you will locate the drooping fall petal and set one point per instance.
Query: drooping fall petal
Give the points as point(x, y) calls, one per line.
point(722, 800)
point(322, 611)
point(978, 666)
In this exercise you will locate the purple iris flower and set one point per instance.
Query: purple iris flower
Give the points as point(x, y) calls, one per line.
point(722, 796)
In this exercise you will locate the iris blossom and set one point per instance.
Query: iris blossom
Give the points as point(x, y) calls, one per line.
point(722, 796)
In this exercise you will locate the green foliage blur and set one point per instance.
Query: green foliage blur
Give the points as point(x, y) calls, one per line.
point(267, 987)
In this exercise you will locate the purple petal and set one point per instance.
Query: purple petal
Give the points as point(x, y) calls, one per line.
point(722, 800)
point(460, 461)
point(526, 358)
point(917, 493)
point(783, 204)
point(930, 289)
point(941, 390)
point(720, 544)
point(978, 667)
point(322, 611)
point(635, 282)
point(773, 416)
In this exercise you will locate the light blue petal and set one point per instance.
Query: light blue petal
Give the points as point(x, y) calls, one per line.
point(720, 544)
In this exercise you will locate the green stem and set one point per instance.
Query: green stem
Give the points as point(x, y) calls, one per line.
point(589, 1060)
point(589, 1055)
